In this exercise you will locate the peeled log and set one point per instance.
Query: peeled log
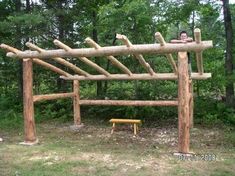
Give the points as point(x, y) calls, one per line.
point(29, 123)
point(116, 50)
point(183, 107)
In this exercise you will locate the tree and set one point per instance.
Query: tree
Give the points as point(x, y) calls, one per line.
point(230, 101)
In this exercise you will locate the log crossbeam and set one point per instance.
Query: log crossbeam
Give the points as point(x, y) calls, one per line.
point(115, 50)
point(162, 42)
point(37, 61)
point(83, 59)
point(112, 59)
point(59, 60)
point(129, 103)
point(37, 98)
point(163, 48)
point(143, 76)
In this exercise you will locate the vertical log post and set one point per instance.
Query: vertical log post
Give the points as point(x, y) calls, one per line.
point(191, 103)
point(76, 105)
point(183, 99)
point(29, 124)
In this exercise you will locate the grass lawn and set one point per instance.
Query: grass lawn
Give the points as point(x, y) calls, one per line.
point(92, 150)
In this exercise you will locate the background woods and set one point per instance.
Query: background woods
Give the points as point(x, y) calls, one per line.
point(71, 21)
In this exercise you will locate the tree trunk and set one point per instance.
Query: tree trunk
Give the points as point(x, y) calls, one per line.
point(99, 84)
point(61, 84)
point(228, 57)
point(18, 45)
point(28, 6)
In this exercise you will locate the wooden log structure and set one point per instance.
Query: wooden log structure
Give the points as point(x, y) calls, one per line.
point(183, 103)
point(59, 60)
point(37, 98)
point(112, 59)
point(129, 103)
point(29, 123)
point(83, 59)
point(138, 56)
point(115, 50)
point(191, 104)
point(51, 67)
point(197, 36)
point(37, 61)
point(76, 103)
point(143, 76)
point(162, 42)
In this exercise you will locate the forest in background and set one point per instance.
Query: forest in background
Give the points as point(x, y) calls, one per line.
point(71, 21)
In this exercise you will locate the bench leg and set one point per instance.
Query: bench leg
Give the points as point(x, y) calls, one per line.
point(135, 128)
point(113, 128)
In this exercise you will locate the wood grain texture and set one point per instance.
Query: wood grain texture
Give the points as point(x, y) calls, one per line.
point(183, 107)
point(29, 123)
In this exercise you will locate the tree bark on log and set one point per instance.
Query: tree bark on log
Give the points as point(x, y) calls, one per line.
point(29, 124)
point(230, 100)
point(37, 98)
point(183, 107)
point(129, 103)
point(116, 50)
point(191, 104)
point(76, 103)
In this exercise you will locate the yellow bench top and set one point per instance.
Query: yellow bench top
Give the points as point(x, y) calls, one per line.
point(125, 121)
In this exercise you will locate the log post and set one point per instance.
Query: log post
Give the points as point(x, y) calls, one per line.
point(76, 105)
point(183, 101)
point(29, 124)
point(191, 104)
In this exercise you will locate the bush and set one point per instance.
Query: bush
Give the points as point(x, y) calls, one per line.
point(213, 112)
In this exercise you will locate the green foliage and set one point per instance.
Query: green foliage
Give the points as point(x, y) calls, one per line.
point(59, 109)
point(11, 113)
point(213, 112)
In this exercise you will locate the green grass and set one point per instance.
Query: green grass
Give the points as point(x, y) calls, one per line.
point(93, 151)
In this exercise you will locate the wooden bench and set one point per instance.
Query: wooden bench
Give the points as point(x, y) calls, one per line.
point(131, 121)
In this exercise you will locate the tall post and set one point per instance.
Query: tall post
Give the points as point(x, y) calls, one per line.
point(29, 124)
point(191, 103)
point(76, 105)
point(183, 99)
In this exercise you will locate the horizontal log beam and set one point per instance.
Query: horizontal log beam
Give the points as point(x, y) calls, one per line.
point(144, 76)
point(116, 50)
point(37, 98)
point(128, 103)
